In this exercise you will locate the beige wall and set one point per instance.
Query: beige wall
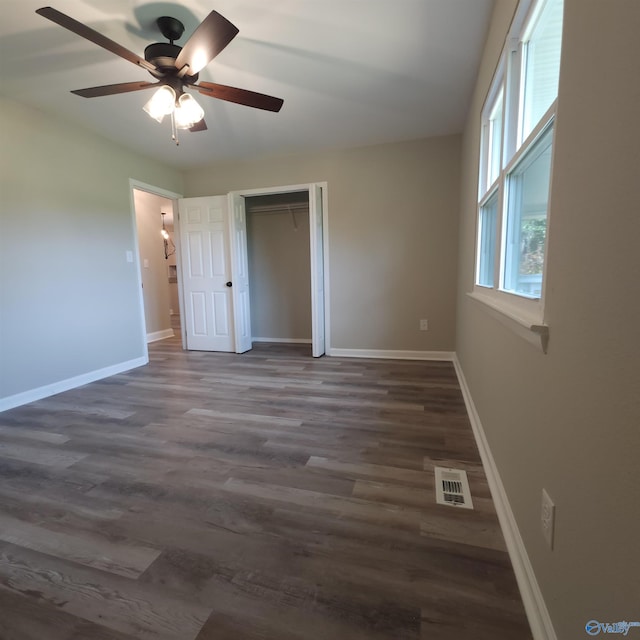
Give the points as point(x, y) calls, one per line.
point(153, 265)
point(392, 235)
point(280, 274)
point(569, 421)
point(69, 300)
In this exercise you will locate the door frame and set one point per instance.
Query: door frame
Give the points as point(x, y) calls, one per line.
point(266, 191)
point(169, 195)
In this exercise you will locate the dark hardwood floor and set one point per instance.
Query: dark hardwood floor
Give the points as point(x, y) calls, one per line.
point(267, 496)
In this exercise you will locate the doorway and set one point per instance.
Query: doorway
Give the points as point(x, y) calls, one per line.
point(278, 254)
point(157, 264)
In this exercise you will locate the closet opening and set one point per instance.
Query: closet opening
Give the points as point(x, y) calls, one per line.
point(279, 263)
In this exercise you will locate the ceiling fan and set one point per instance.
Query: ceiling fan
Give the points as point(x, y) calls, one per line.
point(175, 69)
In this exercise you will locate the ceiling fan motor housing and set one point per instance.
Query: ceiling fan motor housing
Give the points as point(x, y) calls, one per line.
point(162, 54)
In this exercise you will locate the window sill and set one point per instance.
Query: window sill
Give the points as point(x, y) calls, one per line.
point(532, 330)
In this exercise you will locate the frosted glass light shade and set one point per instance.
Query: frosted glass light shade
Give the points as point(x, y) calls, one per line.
point(162, 103)
point(188, 112)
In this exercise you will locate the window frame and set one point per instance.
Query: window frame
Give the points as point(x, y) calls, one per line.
point(510, 78)
point(497, 87)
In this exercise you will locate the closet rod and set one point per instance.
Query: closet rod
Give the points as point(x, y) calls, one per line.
point(274, 208)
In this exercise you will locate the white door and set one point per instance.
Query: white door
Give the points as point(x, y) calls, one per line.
point(206, 270)
point(317, 270)
point(240, 271)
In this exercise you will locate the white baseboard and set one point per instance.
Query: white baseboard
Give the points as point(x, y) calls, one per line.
point(17, 400)
point(391, 354)
point(535, 607)
point(160, 335)
point(283, 340)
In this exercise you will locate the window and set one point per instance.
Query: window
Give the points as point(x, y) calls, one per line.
point(515, 163)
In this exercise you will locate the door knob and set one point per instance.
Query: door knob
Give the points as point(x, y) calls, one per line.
point(229, 284)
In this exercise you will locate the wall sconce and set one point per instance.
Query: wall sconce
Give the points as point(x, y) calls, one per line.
point(169, 247)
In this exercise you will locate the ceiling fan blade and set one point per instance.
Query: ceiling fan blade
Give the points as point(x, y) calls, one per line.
point(199, 126)
point(240, 96)
point(111, 89)
point(92, 35)
point(213, 34)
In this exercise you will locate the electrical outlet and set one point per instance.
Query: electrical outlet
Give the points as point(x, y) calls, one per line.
point(547, 517)
point(424, 325)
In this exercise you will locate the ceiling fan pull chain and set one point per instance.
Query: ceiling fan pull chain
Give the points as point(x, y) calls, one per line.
point(174, 129)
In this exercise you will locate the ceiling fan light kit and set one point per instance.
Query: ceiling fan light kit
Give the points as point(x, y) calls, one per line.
point(174, 68)
point(185, 111)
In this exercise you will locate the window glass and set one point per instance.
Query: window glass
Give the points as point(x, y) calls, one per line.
point(541, 66)
point(527, 204)
point(487, 245)
point(495, 140)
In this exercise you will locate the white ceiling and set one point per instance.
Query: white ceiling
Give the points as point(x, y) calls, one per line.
point(351, 72)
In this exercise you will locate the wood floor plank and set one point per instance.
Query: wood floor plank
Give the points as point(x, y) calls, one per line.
point(245, 417)
point(49, 507)
point(25, 618)
point(484, 533)
point(392, 494)
point(47, 456)
point(352, 507)
point(87, 409)
point(89, 550)
point(376, 471)
point(117, 603)
point(23, 433)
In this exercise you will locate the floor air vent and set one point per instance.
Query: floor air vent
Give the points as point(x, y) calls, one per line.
point(452, 488)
